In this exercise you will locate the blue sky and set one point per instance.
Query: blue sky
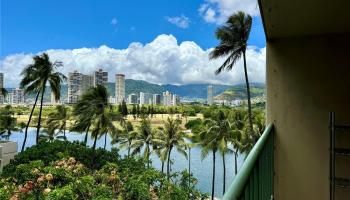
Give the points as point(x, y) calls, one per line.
point(32, 26)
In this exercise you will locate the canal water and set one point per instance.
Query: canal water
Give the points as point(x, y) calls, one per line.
point(201, 169)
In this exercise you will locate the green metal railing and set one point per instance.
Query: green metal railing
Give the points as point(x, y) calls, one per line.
point(254, 181)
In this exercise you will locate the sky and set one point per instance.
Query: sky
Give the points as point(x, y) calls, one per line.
point(160, 41)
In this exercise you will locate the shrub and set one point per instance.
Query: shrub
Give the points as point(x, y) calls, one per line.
point(51, 151)
point(60, 176)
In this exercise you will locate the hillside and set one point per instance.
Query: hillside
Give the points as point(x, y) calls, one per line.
point(239, 92)
point(137, 86)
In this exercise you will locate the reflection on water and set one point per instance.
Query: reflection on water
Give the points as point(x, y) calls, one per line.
point(202, 170)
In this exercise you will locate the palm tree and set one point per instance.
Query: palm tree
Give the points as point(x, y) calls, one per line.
point(143, 138)
point(57, 120)
point(35, 78)
point(220, 134)
point(93, 110)
point(126, 137)
point(233, 38)
point(7, 122)
point(174, 138)
point(3, 92)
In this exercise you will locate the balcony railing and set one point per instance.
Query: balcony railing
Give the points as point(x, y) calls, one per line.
point(254, 181)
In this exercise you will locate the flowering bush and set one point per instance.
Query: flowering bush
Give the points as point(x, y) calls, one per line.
point(70, 178)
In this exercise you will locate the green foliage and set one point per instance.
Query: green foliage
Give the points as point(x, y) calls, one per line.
point(66, 177)
point(48, 152)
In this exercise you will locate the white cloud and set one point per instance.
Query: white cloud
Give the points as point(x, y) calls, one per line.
point(217, 11)
point(180, 21)
point(161, 61)
point(114, 21)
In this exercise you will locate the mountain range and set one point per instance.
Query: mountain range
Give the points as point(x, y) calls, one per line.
point(188, 91)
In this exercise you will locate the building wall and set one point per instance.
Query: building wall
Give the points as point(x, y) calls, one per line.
point(119, 87)
point(306, 79)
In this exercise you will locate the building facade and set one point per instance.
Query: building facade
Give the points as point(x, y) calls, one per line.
point(167, 98)
point(119, 88)
point(210, 95)
point(78, 83)
point(16, 96)
point(100, 77)
point(156, 99)
point(132, 99)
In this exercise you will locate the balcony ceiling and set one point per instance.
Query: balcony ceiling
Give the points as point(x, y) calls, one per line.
point(289, 18)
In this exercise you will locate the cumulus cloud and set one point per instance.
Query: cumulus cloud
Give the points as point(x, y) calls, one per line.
point(161, 61)
point(217, 11)
point(179, 21)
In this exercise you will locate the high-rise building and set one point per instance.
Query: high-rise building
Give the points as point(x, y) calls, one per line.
point(167, 98)
point(142, 98)
point(78, 83)
point(156, 99)
point(176, 100)
point(132, 99)
point(145, 98)
point(210, 93)
point(100, 77)
point(87, 81)
point(16, 96)
point(119, 88)
point(2, 99)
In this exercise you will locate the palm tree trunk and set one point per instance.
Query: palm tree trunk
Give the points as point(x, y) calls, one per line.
point(64, 134)
point(41, 108)
point(236, 154)
point(105, 141)
point(168, 164)
point(30, 118)
point(189, 167)
point(248, 97)
point(129, 148)
point(147, 156)
point(86, 135)
point(162, 167)
point(224, 175)
point(213, 180)
point(94, 145)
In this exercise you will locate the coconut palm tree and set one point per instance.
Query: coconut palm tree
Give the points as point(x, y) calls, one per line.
point(35, 78)
point(126, 137)
point(7, 122)
point(144, 138)
point(233, 36)
point(220, 127)
point(174, 138)
point(93, 109)
point(57, 120)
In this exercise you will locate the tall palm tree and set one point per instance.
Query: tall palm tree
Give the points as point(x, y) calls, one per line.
point(233, 38)
point(126, 137)
point(57, 120)
point(144, 138)
point(35, 78)
point(174, 138)
point(93, 109)
point(219, 133)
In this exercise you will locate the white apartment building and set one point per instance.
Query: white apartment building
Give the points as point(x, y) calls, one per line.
point(210, 95)
point(100, 77)
point(119, 88)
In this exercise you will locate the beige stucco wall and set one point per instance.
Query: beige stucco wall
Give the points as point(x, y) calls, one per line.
point(306, 78)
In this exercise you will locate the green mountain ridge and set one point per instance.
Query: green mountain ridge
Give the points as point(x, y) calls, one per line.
point(189, 91)
point(240, 92)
